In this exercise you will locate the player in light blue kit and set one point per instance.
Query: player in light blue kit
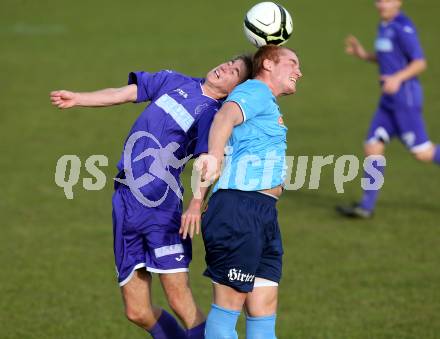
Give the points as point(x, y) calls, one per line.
point(399, 114)
point(240, 229)
point(147, 210)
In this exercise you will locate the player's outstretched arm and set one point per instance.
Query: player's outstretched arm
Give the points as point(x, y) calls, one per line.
point(355, 48)
point(101, 98)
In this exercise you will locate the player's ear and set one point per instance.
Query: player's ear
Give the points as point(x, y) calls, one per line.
point(267, 64)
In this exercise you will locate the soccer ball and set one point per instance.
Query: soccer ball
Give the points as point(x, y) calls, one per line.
point(267, 23)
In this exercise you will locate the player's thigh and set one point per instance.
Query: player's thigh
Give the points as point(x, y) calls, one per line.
point(262, 301)
point(382, 129)
point(166, 251)
point(269, 270)
point(233, 239)
point(228, 297)
point(412, 129)
point(128, 245)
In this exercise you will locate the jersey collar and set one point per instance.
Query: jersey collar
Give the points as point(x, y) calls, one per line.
point(201, 82)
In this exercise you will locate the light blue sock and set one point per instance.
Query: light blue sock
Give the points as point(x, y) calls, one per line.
point(261, 327)
point(221, 323)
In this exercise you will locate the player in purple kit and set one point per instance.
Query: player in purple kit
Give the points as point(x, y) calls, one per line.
point(147, 203)
point(400, 58)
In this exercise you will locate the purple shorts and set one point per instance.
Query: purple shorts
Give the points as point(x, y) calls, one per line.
point(146, 237)
point(400, 115)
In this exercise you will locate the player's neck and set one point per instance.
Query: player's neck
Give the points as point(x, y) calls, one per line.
point(391, 18)
point(270, 84)
point(211, 91)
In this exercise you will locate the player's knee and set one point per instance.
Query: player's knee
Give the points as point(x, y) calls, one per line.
point(376, 148)
point(424, 156)
point(138, 316)
point(262, 310)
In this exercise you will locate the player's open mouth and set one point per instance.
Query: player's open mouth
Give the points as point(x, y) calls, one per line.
point(217, 74)
point(292, 79)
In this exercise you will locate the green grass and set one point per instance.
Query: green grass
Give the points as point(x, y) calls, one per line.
point(342, 279)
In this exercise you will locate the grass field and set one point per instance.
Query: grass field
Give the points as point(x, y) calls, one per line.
point(342, 279)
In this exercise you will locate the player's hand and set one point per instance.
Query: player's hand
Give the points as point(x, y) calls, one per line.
point(63, 99)
point(191, 219)
point(208, 166)
point(391, 84)
point(355, 48)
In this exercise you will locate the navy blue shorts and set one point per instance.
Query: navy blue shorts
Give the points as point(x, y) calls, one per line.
point(242, 239)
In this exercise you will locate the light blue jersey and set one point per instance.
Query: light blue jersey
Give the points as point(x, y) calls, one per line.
point(258, 145)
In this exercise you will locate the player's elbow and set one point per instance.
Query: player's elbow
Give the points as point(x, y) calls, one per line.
point(423, 65)
point(126, 94)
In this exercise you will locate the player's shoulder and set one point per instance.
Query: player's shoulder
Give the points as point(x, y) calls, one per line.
point(251, 87)
point(173, 80)
point(174, 74)
point(404, 24)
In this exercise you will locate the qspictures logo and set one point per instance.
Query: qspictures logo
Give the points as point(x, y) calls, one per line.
point(162, 165)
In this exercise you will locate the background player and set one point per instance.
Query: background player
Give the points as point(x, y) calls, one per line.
point(400, 58)
point(146, 239)
point(240, 229)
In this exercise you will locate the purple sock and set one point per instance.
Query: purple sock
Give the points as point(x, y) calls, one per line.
point(437, 155)
point(369, 197)
point(197, 332)
point(167, 328)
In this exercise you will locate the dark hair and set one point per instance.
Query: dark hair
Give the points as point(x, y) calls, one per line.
point(247, 60)
point(271, 52)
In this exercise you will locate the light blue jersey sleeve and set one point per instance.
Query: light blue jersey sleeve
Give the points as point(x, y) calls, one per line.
point(250, 104)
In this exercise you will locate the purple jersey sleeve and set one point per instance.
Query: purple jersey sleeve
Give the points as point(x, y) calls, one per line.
point(148, 84)
point(409, 42)
point(202, 137)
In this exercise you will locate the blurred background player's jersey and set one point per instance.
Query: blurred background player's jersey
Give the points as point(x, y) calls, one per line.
point(397, 44)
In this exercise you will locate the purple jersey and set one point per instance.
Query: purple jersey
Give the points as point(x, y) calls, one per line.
point(177, 121)
point(171, 129)
point(397, 44)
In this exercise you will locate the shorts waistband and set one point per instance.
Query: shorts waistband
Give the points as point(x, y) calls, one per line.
point(254, 195)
